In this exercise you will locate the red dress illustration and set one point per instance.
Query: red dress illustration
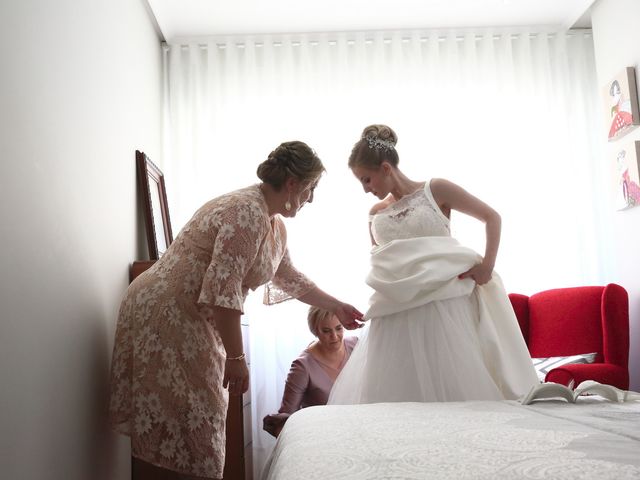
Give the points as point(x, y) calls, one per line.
point(630, 189)
point(620, 110)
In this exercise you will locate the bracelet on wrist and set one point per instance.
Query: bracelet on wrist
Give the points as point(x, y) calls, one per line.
point(238, 358)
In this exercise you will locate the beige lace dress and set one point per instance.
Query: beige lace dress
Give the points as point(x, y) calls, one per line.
point(168, 358)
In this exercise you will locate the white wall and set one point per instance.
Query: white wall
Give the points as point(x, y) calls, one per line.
point(617, 45)
point(80, 91)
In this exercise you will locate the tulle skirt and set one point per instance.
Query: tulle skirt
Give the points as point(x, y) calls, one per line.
point(430, 353)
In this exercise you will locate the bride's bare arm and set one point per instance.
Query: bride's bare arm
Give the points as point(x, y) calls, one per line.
point(450, 196)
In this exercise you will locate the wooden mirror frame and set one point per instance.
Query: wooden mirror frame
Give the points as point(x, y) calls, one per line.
point(155, 206)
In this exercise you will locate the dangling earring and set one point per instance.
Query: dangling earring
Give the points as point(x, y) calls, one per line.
point(287, 204)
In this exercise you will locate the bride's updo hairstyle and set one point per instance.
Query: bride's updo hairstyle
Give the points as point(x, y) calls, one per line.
point(376, 145)
point(290, 159)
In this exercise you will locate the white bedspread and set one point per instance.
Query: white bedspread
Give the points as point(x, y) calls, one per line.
point(460, 440)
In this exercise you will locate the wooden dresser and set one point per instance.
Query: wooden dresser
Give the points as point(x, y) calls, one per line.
point(238, 463)
point(238, 459)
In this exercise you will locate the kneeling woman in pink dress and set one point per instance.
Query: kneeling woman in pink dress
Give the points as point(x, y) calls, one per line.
point(312, 374)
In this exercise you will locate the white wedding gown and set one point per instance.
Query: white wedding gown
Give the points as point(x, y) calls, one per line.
point(431, 336)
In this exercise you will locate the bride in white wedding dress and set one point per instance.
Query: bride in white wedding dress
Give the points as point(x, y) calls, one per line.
point(441, 325)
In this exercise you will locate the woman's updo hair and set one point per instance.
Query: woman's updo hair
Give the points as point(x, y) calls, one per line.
point(290, 159)
point(315, 316)
point(376, 145)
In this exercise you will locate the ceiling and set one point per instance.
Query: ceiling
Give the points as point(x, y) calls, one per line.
point(195, 18)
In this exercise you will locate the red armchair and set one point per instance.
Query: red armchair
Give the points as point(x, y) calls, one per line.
point(572, 321)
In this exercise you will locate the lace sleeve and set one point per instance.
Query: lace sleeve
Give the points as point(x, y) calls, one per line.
point(234, 251)
point(287, 283)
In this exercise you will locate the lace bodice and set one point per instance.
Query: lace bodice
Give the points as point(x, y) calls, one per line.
point(414, 215)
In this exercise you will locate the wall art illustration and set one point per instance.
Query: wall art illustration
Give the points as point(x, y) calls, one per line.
point(626, 176)
point(621, 104)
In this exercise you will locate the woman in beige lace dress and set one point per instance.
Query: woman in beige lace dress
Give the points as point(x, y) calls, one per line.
point(178, 346)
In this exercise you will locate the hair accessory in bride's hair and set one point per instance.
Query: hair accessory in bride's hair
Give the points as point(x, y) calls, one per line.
point(379, 144)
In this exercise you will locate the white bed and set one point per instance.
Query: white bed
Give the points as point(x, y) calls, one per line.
point(592, 439)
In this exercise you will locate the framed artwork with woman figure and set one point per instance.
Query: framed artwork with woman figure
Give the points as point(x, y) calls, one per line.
point(621, 104)
point(627, 176)
point(155, 206)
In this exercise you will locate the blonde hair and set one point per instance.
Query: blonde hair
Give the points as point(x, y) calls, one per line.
point(290, 160)
point(315, 316)
point(376, 145)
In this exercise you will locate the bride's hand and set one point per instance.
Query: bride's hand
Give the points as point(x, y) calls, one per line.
point(350, 317)
point(480, 273)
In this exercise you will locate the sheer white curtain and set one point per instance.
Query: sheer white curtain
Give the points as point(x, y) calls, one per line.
point(511, 116)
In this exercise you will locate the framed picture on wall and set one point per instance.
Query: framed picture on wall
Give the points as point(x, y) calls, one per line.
point(621, 104)
point(626, 175)
point(155, 206)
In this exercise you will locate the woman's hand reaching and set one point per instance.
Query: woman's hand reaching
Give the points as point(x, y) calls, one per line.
point(480, 273)
point(350, 317)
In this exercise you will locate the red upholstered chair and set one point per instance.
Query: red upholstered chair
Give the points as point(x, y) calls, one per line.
point(573, 321)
